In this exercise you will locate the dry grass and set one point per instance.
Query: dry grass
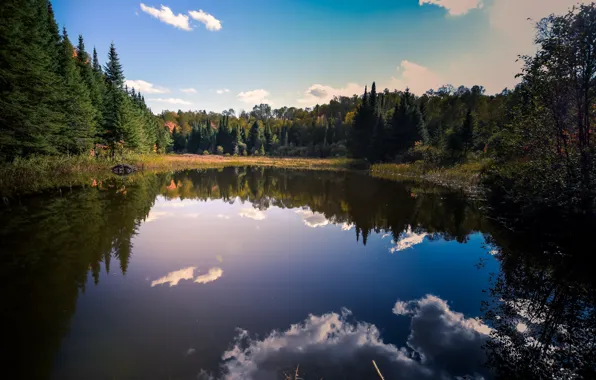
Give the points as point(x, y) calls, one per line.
point(191, 161)
point(43, 172)
point(465, 177)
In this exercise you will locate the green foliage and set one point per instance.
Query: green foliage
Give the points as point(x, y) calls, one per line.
point(55, 99)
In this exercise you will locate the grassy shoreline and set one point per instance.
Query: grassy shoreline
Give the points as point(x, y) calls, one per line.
point(39, 173)
point(464, 177)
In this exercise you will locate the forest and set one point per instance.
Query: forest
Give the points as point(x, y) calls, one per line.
point(534, 142)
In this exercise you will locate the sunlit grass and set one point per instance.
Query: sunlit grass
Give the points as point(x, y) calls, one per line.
point(37, 173)
point(465, 176)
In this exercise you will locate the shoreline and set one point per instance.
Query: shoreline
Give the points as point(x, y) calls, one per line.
point(40, 173)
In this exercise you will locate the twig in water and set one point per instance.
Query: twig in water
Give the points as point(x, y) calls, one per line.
point(379, 372)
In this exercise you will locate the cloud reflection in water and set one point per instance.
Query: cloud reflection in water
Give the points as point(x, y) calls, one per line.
point(442, 344)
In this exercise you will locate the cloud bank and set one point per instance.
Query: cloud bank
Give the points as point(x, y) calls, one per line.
point(443, 344)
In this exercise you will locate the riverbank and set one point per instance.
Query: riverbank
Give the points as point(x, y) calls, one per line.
point(44, 172)
point(39, 173)
point(464, 177)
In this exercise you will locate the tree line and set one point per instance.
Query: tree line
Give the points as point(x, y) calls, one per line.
point(58, 99)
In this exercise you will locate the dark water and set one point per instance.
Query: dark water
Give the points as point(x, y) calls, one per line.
point(248, 273)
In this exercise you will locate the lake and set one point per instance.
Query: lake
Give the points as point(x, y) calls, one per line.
point(250, 273)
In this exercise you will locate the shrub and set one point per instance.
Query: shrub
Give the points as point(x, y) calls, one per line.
point(205, 153)
point(220, 150)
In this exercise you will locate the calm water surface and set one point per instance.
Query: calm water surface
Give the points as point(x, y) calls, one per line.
point(247, 273)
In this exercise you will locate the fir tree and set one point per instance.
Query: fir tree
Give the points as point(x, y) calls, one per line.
point(79, 129)
point(113, 69)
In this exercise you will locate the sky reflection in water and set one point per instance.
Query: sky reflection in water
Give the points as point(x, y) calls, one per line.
point(245, 273)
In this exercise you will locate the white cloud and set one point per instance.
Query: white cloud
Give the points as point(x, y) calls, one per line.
point(252, 213)
point(456, 7)
point(189, 90)
point(173, 278)
point(320, 94)
point(155, 214)
point(212, 275)
point(346, 226)
point(223, 91)
point(146, 87)
point(444, 338)
point(312, 219)
point(166, 15)
point(511, 33)
point(407, 239)
point(442, 344)
point(171, 101)
point(254, 97)
point(211, 23)
point(222, 216)
point(417, 78)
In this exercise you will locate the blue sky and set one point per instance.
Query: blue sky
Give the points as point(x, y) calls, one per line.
point(220, 54)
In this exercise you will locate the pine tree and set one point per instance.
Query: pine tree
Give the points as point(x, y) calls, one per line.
point(407, 125)
point(113, 69)
point(79, 129)
point(254, 138)
point(467, 131)
point(90, 79)
point(268, 138)
point(360, 133)
point(30, 117)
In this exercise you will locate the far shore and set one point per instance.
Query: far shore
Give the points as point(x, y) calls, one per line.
point(45, 172)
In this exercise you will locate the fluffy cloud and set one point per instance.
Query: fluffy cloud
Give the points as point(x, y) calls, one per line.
point(211, 23)
point(166, 15)
point(417, 78)
point(212, 275)
point(312, 219)
point(445, 339)
point(252, 213)
point(442, 344)
point(320, 94)
point(173, 278)
point(146, 87)
point(254, 97)
point(222, 91)
point(407, 239)
point(171, 101)
point(189, 90)
point(456, 7)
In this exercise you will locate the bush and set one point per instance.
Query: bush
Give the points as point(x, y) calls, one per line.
point(205, 153)
point(227, 155)
point(220, 150)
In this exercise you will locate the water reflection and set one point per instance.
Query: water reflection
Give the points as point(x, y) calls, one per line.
point(543, 303)
point(297, 247)
point(441, 344)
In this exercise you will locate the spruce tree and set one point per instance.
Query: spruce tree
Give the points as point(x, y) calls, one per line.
point(113, 69)
point(254, 138)
point(80, 117)
point(90, 79)
point(30, 115)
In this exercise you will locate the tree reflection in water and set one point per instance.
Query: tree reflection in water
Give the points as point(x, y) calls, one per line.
point(542, 309)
